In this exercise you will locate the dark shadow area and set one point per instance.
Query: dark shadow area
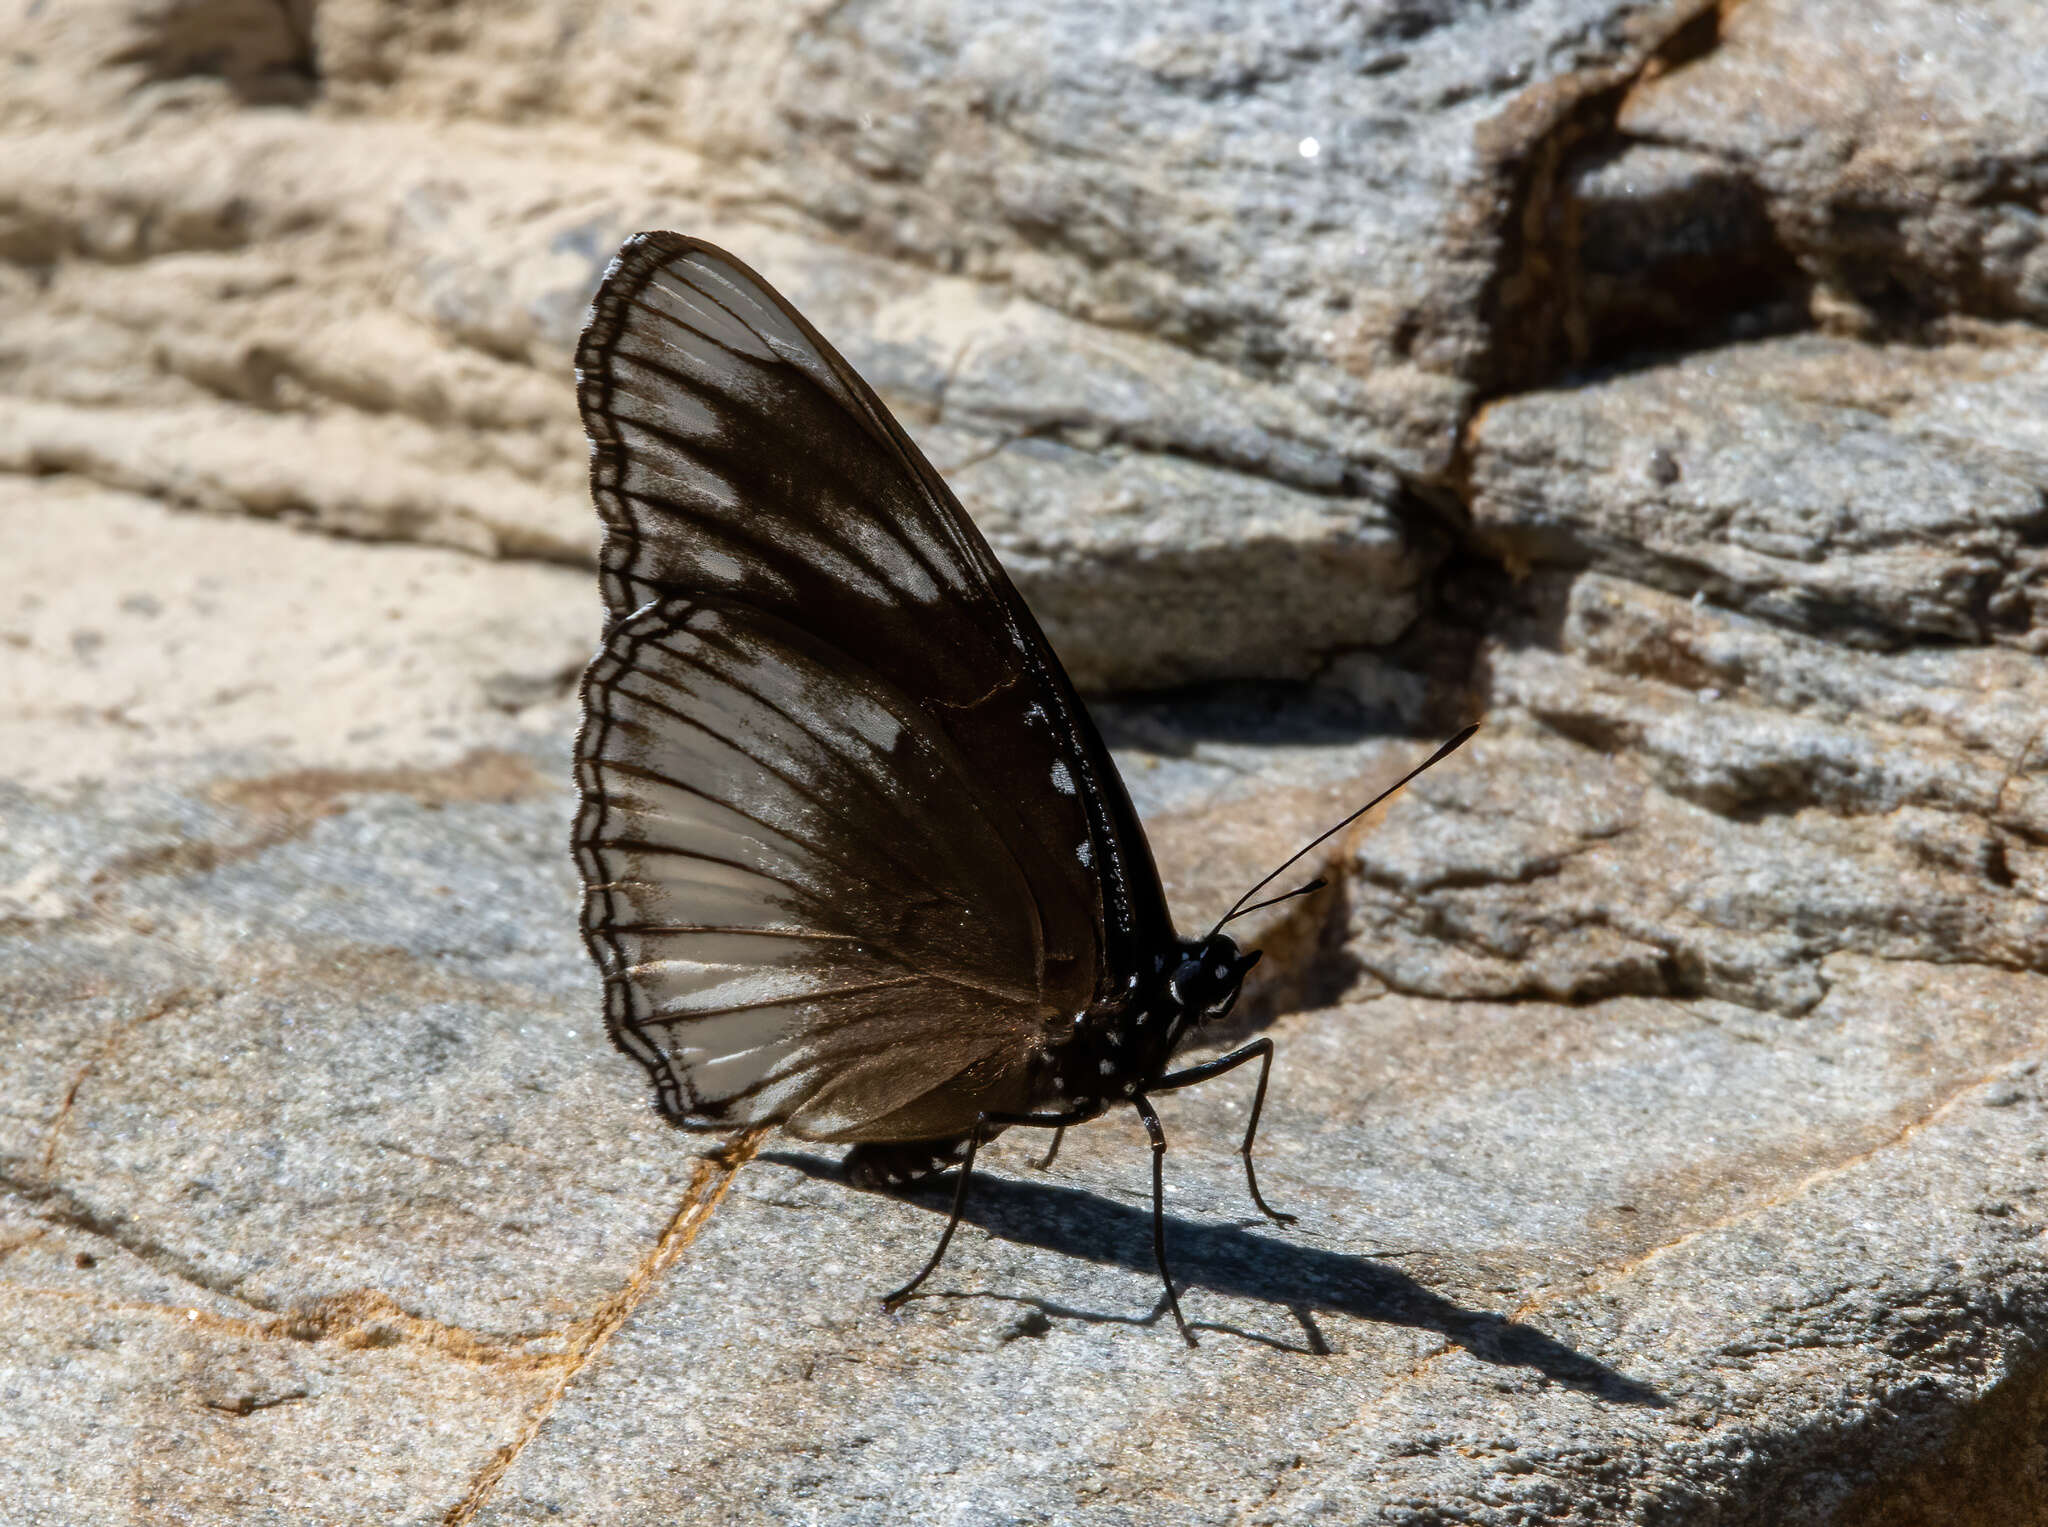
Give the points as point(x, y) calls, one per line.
point(1426, 669)
point(263, 50)
point(1919, 1454)
point(1230, 1259)
point(1174, 722)
point(1620, 251)
point(1671, 258)
point(1039, 1314)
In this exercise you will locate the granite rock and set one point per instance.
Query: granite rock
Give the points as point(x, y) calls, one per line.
point(1879, 494)
point(1659, 1082)
point(1554, 1264)
point(1896, 150)
point(1681, 800)
point(318, 1170)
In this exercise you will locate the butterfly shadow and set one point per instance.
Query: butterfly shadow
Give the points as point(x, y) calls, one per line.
point(1237, 1260)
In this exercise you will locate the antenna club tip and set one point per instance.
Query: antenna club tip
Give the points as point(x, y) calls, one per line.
point(1239, 909)
point(1450, 747)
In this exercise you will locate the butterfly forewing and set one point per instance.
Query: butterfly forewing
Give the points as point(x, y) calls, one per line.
point(851, 847)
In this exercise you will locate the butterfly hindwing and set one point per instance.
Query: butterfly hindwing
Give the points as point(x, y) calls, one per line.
point(771, 905)
point(850, 844)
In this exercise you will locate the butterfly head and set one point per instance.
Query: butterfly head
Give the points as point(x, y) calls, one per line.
point(1206, 982)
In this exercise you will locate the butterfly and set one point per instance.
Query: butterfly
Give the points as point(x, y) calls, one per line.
point(855, 859)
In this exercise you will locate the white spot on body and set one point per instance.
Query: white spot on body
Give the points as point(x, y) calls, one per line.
point(1308, 148)
point(1062, 780)
point(1085, 852)
point(1109, 1068)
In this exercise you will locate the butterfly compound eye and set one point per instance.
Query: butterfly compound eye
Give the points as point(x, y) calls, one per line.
point(1207, 981)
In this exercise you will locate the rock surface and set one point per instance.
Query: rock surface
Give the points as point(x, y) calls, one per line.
point(1877, 494)
point(1661, 1086)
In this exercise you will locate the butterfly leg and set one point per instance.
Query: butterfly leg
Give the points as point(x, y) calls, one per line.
point(984, 1126)
point(1053, 1149)
point(890, 1301)
point(1263, 1049)
point(1158, 1134)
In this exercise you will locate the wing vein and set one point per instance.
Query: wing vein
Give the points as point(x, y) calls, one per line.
point(796, 786)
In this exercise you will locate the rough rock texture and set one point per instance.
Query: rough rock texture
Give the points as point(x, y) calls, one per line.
point(1875, 494)
point(1708, 806)
point(1660, 1086)
point(1897, 151)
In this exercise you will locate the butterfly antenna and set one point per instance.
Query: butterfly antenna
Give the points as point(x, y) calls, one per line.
point(1273, 901)
point(1239, 909)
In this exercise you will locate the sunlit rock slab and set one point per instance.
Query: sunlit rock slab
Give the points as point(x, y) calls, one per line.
point(134, 1395)
point(1876, 495)
point(1676, 799)
point(146, 646)
point(1314, 194)
point(1656, 1261)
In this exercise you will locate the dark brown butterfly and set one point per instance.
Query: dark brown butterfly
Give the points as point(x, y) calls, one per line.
point(855, 860)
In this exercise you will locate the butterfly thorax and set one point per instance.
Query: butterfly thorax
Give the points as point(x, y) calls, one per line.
point(1121, 1044)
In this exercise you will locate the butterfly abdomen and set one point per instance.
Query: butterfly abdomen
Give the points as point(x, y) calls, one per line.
point(883, 1165)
